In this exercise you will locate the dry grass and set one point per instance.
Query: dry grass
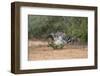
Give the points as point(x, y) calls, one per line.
point(38, 50)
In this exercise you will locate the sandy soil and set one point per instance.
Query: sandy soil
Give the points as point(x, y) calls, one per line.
point(38, 50)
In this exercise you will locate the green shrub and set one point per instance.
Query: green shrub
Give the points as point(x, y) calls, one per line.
point(40, 26)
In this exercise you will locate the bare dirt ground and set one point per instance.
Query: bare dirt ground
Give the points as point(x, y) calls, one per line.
point(38, 50)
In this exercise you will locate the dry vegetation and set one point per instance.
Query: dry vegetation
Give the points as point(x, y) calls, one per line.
point(39, 50)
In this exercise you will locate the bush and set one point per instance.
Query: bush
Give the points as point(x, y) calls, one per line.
point(40, 26)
